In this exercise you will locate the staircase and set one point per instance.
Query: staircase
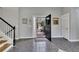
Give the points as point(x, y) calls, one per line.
point(7, 35)
point(4, 45)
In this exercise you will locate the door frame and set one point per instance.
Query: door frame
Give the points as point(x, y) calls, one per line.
point(67, 15)
point(34, 25)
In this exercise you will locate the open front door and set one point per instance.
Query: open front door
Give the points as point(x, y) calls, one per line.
point(48, 27)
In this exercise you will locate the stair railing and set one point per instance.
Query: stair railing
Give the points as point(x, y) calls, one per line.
point(8, 29)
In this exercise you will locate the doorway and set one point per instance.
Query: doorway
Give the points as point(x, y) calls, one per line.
point(65, 25)
point(40, 24)
point(43, 27)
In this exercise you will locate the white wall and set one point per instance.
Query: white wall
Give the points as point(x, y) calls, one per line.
point(26, 30)
point(0, 11)
point(10, 14)
point(77, 25)
point(56, 29)
point(74, 22)
point(14, 16)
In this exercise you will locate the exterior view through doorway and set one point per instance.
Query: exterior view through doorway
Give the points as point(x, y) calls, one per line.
point(43, 27)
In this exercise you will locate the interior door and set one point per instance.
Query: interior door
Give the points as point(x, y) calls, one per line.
point(48, 27)
point(65, 25)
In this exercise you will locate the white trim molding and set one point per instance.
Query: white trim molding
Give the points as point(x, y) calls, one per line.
point(57, 37)
point(76, 40)
point(25, 38)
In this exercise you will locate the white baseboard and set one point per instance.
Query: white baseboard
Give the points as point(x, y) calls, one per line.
point(25, 37)
point(57, 37)
point(77, 40)
point(17, 38)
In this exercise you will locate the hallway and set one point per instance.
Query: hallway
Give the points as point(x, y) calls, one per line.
point(32, 27)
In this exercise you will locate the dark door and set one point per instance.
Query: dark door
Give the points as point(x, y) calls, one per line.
point(48, 27)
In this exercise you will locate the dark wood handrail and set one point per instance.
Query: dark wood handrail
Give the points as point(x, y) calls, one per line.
point(6, 22)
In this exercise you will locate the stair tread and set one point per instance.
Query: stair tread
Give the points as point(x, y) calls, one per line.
point(4, 47)
point(2, 41)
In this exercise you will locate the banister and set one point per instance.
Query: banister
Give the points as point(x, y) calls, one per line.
point(6, 22)
point(13, 29)
point(9, 31)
